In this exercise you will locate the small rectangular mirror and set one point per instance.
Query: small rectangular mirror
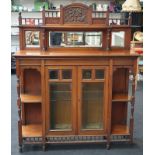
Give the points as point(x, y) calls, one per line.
point(118, 39)
point(32, 39)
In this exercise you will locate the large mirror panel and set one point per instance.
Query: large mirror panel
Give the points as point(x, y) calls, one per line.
point(75, 39)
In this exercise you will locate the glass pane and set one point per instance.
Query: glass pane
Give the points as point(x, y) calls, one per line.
point(55, 38)
point(66, 74)
point(53, 74)
point(75, 39)
point(32, 39)
point(118, 39)
point(86, 74)
point(92, 105)
point(99, 74)
point(60, 106)
point(93, 39)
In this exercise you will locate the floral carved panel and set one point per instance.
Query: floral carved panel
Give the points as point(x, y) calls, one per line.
point(76, 15)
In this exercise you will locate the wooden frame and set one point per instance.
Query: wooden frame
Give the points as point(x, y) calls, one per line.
point(127, 38)
point(72, 48)
point(92, 131)
point(59, 132)
point(23, 41)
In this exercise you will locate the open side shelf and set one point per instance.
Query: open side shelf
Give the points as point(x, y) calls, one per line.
point(27, 98)
point(32, 130)
point(121, 98)
point(120, 130)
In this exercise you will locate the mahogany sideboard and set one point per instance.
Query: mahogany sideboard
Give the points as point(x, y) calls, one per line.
point(76, 78)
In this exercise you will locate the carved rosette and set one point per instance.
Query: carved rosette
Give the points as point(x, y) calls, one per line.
point(75, 15)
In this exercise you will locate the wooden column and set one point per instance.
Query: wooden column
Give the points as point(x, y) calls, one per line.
point(130, 19)
point(108, 39)
point(20, 18)
point(43, 89)
point(90, 14)
point(107, 17)
point(44, 45)
point(19, 106)
point(43, 15)
point(19, 115)
point(61, 14)
point(109, 103)
point(134, 80)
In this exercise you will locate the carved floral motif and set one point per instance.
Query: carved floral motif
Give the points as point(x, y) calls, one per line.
point(75, 15)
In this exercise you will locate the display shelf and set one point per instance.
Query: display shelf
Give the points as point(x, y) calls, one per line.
point(120, 130)
point(27, 98)
point(121, 98)
point(32, 130)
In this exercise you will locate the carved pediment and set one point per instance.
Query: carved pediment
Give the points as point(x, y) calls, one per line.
point(76, 14)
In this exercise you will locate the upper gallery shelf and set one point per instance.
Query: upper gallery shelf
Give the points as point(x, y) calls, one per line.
point(76, 13)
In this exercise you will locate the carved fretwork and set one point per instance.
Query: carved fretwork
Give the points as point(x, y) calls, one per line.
point(76, 14)
point(120, 138)
point(76, 139)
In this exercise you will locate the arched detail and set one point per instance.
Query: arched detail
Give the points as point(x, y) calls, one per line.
point(31, 67)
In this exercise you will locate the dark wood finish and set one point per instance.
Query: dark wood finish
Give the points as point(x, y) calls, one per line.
point(32, 82)
point(119, 114)
point(32, 69)
point(32, 113)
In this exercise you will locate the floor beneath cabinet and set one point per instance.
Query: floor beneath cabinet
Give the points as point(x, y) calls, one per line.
point(84, 149)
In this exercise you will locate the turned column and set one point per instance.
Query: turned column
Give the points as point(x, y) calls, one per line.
point(44, 46)
point(132, 106)
point(19, 115)
point(130, 19)
point(20, 18)
point(108, 39)
point(43, 15)
point(110, 78)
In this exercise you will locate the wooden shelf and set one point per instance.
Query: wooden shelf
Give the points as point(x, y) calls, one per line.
point(121, 98)
point(120, 130)
point(27, 98)
point(32, 130)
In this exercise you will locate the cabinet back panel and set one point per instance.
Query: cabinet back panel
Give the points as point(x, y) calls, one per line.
point(120, 80)
point(32, 113)
point(32, 81)
point(119, 113)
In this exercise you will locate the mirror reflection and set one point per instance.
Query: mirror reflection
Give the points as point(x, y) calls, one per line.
point(75, 39)
point(118, 39)
point(32, 39)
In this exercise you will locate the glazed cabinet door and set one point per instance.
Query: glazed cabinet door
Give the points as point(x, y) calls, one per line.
point(92, 99)
point(61, 100)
